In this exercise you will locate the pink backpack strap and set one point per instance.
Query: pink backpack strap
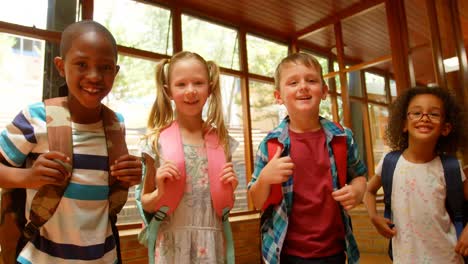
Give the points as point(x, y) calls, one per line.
point(172, 150)
point(221, 194)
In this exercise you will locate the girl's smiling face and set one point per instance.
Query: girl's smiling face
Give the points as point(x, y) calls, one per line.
point(189, 86)
point(425, 119)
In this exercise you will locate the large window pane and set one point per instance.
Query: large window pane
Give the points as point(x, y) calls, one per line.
point(21, 74)
point(133, 95)
point(375, 87)
point(378, 116)
point(232, 104)
point(211, 41)
point(16, 12)
point(265, 113)
point(136, 25)
point(264, 55)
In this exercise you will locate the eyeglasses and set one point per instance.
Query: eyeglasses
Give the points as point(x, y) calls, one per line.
point(434, 117)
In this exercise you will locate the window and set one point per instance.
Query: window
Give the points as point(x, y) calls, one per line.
point(375, 87)
point(378, 117)
point(146, 27)
point(393, 89)
point(35, 15)
point(232, 108)
point(211, 41)
point(265, 113)
point(21, 75)
point(264, 55)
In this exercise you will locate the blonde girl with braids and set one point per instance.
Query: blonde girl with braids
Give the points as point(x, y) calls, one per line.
point(192, 233)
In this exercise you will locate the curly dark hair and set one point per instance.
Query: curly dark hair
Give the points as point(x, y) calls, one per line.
point(453, 114)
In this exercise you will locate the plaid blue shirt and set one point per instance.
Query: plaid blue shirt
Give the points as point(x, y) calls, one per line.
point(275, 227)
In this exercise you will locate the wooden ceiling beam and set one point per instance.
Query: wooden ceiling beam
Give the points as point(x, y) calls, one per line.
point(357, 8)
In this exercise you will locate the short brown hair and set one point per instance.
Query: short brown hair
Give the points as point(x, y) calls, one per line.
point(298, 58)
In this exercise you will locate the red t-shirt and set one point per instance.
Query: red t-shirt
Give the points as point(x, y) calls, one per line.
point(315, 226)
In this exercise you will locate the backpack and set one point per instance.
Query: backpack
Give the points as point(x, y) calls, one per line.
point(455, 199)
point(15, 229)
point(221, 194)
point(339, 148)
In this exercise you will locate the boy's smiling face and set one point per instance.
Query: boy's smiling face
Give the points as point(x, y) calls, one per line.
point(301, 89)
point(89, 68)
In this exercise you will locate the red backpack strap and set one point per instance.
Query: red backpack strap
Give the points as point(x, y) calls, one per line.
point(340, 152)
point(276, 193)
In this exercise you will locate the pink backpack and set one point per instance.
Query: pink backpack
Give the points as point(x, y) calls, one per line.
point(221, 194)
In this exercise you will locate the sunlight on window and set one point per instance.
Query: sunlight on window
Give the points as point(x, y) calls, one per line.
point(264, 55)
point(136, 25)
point(375, 86)
point(34, 15)
point(211, 41)
point(21, 74)
point(232, 108)
point(265, 113)
point(378, 116)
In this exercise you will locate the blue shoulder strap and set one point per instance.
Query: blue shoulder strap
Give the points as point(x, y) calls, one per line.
point(388, 167)
point(455, 198)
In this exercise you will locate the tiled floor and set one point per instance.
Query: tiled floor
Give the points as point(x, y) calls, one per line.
point(374, 259)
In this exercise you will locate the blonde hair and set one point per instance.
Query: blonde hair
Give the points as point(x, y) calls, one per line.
point(162, 114)
point(298, 58)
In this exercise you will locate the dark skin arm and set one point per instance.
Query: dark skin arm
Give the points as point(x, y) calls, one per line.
point(45, 170)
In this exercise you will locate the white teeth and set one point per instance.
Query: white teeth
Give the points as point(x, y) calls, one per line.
point(91, 90)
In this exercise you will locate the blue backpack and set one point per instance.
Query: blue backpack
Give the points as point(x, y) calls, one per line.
point(455, 200)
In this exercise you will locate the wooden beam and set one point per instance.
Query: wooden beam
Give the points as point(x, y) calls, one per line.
point(87, 9)
point(292, 47)
point(246, 119)
point(32, 32)
point(368, 64)
point(437, 58)
point(342, 73)
point(176, 15)
point(399, 42)
point(355, 9)
point(141, 54)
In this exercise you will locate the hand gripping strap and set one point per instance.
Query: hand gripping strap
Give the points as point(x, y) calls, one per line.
point(59, 133)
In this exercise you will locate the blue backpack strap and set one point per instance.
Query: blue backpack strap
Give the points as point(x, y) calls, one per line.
point(455, 199)
point(388, 167)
